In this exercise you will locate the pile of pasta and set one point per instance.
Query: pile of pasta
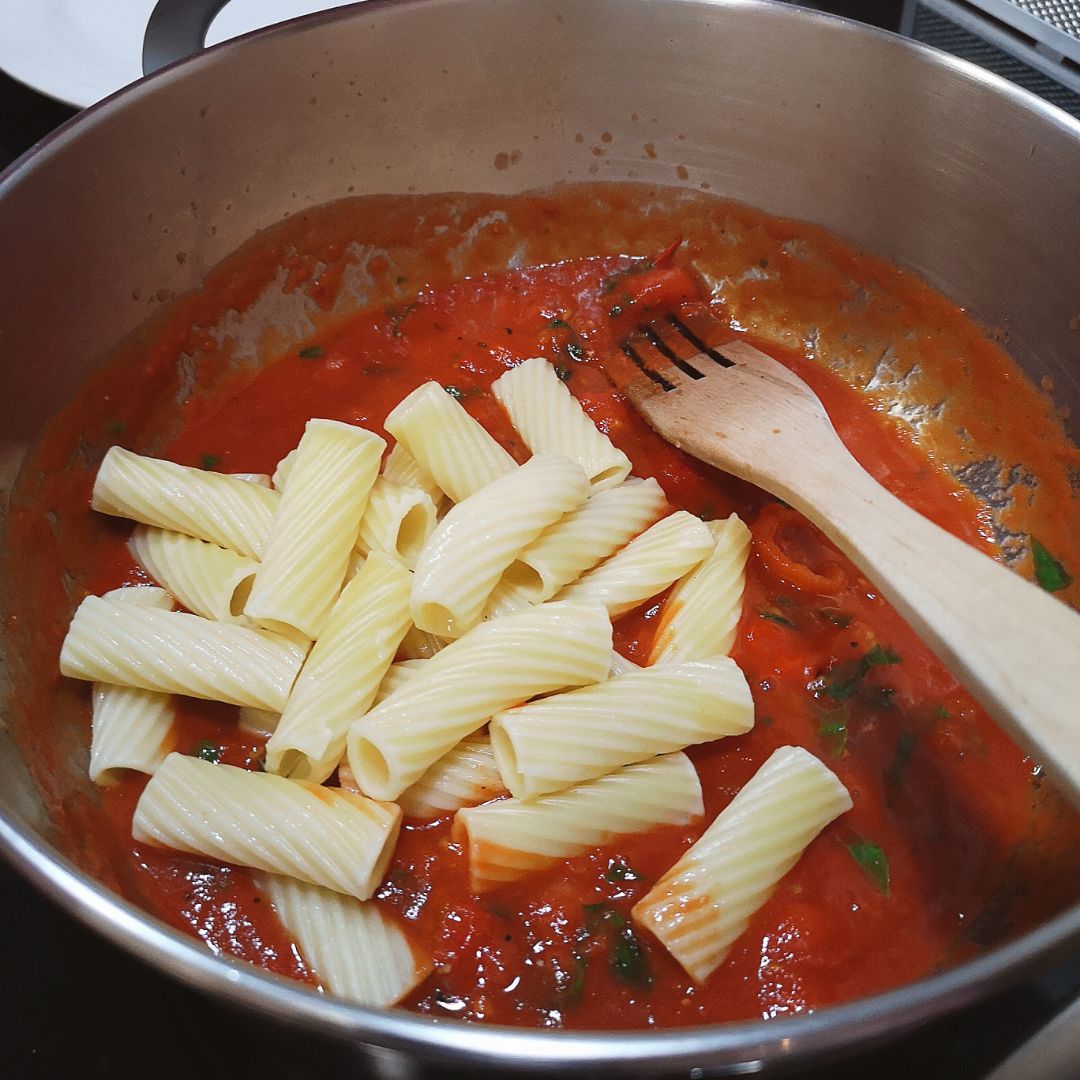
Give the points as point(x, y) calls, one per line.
point(432, 635)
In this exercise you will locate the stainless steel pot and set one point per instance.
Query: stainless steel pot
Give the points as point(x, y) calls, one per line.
point(947, 170)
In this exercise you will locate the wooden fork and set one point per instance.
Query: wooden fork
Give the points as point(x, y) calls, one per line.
point(1014, 646)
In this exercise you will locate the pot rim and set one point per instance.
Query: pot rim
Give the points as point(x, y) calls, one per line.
point(745, 1046)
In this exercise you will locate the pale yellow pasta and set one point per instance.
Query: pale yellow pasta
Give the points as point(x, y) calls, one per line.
point(397, 520)
point(321, 835)
point(565, 739)
point(131, 729)
point(510, 839)
point(498, 664)
point(257, 721)
point(227, 511)
point(282, 470)
point(465, 776)
point(480, 536)
point(397, 675)
point(355, 948)
point(620, 665)
point(175, 653)
point(340, 677)
point(315, 528)
point(549, 418)
point(208, 580)
point(260, 478)
point(700, 907)
point(576, 543)
point(449, 445)
point(418, 644)
point(702, 611)
point(646, 566)
point(400, 467)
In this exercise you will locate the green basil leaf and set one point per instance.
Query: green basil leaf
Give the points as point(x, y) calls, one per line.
point(208, 751)
point(873, 862)
point(311, 352)
point(628, 960)
point(1049, 572)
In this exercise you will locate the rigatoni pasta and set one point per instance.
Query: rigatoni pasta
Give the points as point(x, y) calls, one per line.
point(501, 662)
point(227, 511)
point(341, 676)
point(646, 566)
point(315, 528)
point(448, 444)
point(511, 839)
point(357, 950)
point(316, 834)
point(565, 739)
point(401, 468)
point(464, 776)
point(548, 418)
point(703, 608)
point(705, 901)
point(397, 521)
point(175, 653)
point(479, 537)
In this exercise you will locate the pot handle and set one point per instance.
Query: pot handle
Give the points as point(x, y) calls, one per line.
point(177, 29)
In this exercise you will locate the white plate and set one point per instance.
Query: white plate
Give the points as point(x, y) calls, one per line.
point(80, 51)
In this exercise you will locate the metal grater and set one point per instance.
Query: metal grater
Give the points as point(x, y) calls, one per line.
point(1035, 43)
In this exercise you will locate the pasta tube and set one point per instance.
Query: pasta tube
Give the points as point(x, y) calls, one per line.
point(225, 510)
point(208, 580)
point(130, 728)
point(548, 418)
point(511, 839)
point(566, 549)
point(355, 948)
point(175, 653)
point(564, 739)
point(315, 528)
point(479, 537)
point(321, 835)
point(340, 678)
point(702, 611)
point(494, 666)
point(449, 445)
point(400, 467)
point(705, 901)
point(646, 566)
point(465, 776)
point(398, 520)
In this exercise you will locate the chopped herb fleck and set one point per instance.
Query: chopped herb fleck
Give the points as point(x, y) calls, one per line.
point(618, 871)
point(208, 751)
point(575, 350)
point(844, 679)
point(835, 616)
point(615, 312)
point(628, 959)
point(117, 428)
point(879, 657)
point(776, 617)
point(311, 352)
point(833, 731)
point(559, 324)
point(905, 746)
point(576, 984)
point(1049, 572)
point(455, 392)
point(873, 862)
point(564, 373)
point(210, 461)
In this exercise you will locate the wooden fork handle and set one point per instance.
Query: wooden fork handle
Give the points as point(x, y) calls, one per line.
point(1015, 647)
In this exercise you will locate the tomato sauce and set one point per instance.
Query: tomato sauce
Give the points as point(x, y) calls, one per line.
point(955, 841)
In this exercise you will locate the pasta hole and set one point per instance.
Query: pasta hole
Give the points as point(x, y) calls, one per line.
point(413, 531)
point(295, 765)
point(369, 766)
point(520, 575)
point(436, 619)
point(506, 759)
point(238, 600)
point(616, 472)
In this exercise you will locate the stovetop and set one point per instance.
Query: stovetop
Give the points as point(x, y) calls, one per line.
point(73, 1004)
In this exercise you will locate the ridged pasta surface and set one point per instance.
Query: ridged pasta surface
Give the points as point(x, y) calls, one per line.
point(175, 653)
point(420, 645)
point(315, 529)
point(705, 901)
point(321, 835)
point(702, 611)
point(548, 418)
point(208, 580)
point(465, 776)
point(500, 663)
point(480, 536)
point(397, 520)
point(400, 467)
point(341, 676)
point(131, 729)
point(447, 443)
point(511, 839)
point(224, 510)
point(356, 950)
point(565, 739)
point(565, 550)
point(646, 566)
point(397, 675)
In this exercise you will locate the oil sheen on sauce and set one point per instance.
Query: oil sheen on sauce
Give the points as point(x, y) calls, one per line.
point(967, 845)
